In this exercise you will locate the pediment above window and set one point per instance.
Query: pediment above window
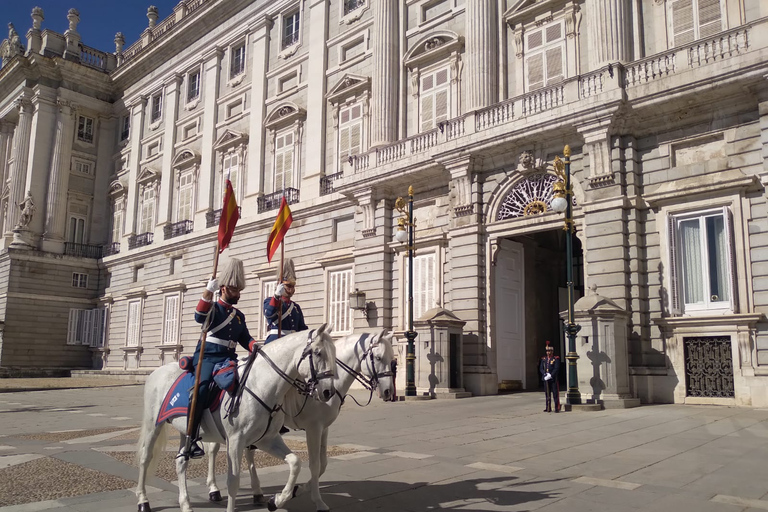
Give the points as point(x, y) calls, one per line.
point(230, 139)
point(525, 11)
point(350, 85)
point(148, 175)
point(283, 115)
point(433, 47)
point(186, 158)
point(116, 189)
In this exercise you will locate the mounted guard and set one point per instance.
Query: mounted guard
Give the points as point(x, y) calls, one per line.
point(282, 314)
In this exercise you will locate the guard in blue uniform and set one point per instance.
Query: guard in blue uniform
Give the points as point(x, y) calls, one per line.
point(226, 330)
point(549, 367)
point(292, 317)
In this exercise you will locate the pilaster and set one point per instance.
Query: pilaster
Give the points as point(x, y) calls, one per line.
point(171, 108)
point(610, 32)
point(386, 72)
point(138, 111)
point(482, 54)
point(316, 103)
point(58, 182)
point(462, 197)
point(6, 140)
point(18, 172)
point(256, 133)
point(211, 72)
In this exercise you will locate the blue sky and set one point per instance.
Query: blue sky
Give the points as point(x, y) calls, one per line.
point(99, 19)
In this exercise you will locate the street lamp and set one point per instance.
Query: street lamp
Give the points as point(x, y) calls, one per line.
point(402, 236)
point(562, 202)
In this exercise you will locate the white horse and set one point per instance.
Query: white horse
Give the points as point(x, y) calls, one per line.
point(364, 357)
point(307, 355)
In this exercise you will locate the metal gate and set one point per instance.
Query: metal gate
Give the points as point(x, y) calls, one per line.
point(708, 366)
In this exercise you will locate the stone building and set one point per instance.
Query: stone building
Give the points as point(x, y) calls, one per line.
point(341, 105)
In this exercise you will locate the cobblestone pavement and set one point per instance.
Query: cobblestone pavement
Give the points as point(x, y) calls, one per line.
point(71, 449)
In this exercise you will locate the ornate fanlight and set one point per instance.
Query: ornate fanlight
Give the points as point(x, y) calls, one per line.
point(531, 196)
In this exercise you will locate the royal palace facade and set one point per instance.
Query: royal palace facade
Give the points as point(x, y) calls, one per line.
point(112, 165)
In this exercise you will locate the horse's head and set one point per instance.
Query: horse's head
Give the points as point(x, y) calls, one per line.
point(317, 365)
point(378, 364)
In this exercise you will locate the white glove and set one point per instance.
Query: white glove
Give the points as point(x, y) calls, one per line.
point(547, 377)
point(213, 285)
point(280, 291)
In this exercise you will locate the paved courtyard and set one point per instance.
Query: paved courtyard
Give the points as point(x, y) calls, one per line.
point(71, 449)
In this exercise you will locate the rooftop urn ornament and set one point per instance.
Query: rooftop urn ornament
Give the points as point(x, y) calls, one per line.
point(119, 42)
point(73, 15)
point(152, 16)
point(37, 18)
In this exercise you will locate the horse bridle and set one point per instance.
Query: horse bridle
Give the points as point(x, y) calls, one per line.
point(370, 383)
point(314, 377)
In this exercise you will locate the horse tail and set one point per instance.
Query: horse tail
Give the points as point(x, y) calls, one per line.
point(152, 442)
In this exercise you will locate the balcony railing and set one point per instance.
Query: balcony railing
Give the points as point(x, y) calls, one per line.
point(352, 5)
point(290, 39)
point(111, 249)
point(82, 250)
point(141, 240)
point(272, 201)
point(326, 182)
point(178, 228)
point(212, 218)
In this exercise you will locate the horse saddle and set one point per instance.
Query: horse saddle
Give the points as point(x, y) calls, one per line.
point(176, 402)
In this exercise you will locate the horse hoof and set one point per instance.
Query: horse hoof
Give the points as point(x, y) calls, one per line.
point(214, 496)
point(259, 499)
point(144, 507)
point(271, 504)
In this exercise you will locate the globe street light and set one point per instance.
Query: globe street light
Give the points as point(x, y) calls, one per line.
point(402, 236)
point(562, 202)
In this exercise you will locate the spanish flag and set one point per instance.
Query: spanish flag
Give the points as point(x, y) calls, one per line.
point(229, 217)
point(282, 223)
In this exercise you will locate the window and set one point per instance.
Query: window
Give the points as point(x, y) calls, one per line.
point(237, 62)
point(343, 229)
point(125, 128)
point(171, 319)
point(117, 219)
point(545, 50)
point(82, 167)
point(184, 200)
point(85, 129)
point(175, 265)
point(350, 132)
point(352, 5)
point(86, 327)
point(79, 280)
point(76, 234)
point(435, 98)
point(157, 107)
point(339, 313)
point(133, 329)
point(695, 19)
point(231, 170)
point(702, 261)
point(284, 151)
point(193, 86)
point(424, 288)
point(291, 29)
point(147, 209)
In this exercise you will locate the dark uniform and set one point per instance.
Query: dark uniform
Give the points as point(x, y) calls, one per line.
point(550, 364)
point(292, 319)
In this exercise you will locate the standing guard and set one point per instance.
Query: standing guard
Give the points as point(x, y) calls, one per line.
point(280, 309)
point(549, 367)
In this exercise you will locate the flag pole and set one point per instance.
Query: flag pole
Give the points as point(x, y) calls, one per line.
point(280, 309)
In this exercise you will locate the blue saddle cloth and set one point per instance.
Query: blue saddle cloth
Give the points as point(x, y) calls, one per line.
point(176, 401)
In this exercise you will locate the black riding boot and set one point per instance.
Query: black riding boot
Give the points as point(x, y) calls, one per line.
point(195, 450)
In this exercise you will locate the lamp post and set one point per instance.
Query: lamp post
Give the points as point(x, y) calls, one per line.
point(401, 235)
point(563, 202)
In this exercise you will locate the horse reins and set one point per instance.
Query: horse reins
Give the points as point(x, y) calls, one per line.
point(369, 383)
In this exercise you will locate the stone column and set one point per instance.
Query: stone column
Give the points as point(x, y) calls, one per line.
point(316, 102)
point(171, 112)
point(58, 181)
point(205, 188)
point(481, 54)
point(138, 112)
point(18, 172)
point(6, 139)
point(386, 70)
point(610, 31)
point(256, 133)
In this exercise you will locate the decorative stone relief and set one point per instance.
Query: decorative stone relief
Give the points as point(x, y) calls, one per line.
point(572, 20)
point(528, 163)
point(600, 173)
point(27, 208)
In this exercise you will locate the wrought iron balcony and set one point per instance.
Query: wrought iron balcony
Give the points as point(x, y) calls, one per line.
point(178, 228)
point(272, 201)
point(141, 240)
point(213, 218)
point(326, 182)
point(352, 5)
point(111, 249)
point(82, 250)
point(290, 39)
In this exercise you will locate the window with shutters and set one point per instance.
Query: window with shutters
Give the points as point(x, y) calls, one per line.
point(285, 151)
point(237, 60)
point(86, 327)
point(117, 219)
point(701, 261)
point(339, 312)
point(193, 85)
point(694, 19)
point(231, 169)
point(434, 98)
point(267, 291)
point(76, 229)
point(185, 195)
point(424, 284)
point(544, 56)
point(171, 319)
point(157, 107)
point(133, 328)
point(85, 129)
point(147, 220)
point(350, 133)
point(291, 29)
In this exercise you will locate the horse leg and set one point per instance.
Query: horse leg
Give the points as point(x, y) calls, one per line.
point(181, 476)
point(314, 448)
point(234, 458)
point(258, 494)
point(212, 449)
point(323, 452)
point(277, 448)
point(151, 443)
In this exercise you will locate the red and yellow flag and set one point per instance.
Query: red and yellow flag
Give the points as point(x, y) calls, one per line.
point(282, 223)
point(229, 217)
